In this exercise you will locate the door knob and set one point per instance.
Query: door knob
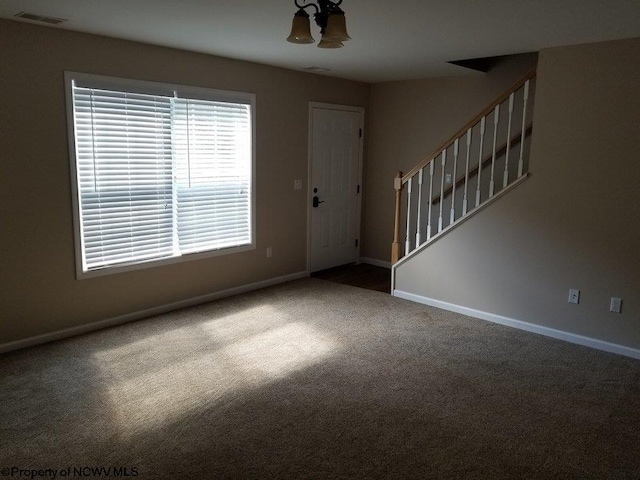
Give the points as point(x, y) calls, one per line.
point(317, 202)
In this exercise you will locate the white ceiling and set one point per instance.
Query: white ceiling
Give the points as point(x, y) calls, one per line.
point(392, 40)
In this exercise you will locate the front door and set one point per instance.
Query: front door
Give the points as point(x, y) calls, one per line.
point(335, 154)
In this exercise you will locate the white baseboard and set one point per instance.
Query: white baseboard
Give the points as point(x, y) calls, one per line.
point(519, 324)
point(149, 312)
point(376, 262)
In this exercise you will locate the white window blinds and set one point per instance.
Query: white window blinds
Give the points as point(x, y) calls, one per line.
point(212, 153)
point(159, 176)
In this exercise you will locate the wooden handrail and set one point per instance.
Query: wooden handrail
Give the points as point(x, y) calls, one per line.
point(515, 140)
point(528, 76)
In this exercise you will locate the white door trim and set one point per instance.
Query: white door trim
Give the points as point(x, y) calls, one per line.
point(344, 108)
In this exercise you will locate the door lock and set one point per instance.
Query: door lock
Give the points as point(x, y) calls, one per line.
point(317, 202)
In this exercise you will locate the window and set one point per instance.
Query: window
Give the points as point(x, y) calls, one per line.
point(160, 172)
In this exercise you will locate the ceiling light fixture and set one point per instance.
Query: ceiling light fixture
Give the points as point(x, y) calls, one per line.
point(329, 17)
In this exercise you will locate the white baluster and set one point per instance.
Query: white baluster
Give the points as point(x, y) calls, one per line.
point(466, 174)
point(407, 245)
point(453, 182)
point(419, 208)
point(496, 116)
point(444, 162)
point(505, 180)
point(482, 128)
point(524, 119)
point(430, 199)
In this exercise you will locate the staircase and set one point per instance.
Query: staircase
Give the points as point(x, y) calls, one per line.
point(481, 162)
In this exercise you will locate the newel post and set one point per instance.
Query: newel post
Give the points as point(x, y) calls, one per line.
point(395, 246)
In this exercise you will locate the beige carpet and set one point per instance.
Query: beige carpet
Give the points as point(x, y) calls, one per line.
point(313, 379)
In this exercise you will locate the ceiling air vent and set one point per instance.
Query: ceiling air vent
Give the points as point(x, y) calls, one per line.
point(40, 18)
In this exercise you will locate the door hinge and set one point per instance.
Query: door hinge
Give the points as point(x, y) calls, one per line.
point(356, 242)
point(360, 133)
point(358, 190)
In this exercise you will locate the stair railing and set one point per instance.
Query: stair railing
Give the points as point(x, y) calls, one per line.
point(434, 165)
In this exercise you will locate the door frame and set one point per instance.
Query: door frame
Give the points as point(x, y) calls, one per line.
point(343, 108)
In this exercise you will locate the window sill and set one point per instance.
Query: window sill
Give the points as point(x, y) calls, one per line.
point(82, 275)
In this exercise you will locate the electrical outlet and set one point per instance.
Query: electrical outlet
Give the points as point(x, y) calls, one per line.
point(574, 296)
point(269, 252)
point(297, 184)
point(616, 305)
point(447, 178)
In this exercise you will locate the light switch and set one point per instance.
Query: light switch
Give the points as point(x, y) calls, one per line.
point(297, 184)
point(574, 296)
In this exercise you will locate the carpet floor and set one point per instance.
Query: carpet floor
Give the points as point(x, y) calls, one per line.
point(314, 380)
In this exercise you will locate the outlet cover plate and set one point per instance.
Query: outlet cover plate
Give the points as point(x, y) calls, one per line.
point(616, 305)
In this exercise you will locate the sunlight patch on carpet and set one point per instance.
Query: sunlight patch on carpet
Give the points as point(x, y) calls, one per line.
point(281, 351)
point(145, 396)
point(241, 324)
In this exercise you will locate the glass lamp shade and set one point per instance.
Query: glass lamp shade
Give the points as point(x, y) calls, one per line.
point(329, 44)
point(336, 30)
point(300, 28)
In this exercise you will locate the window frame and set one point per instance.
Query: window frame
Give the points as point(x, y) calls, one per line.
point(157, 88)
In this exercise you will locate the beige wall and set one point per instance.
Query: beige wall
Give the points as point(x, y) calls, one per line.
point(575, 223)
point(410, 119)
point(38, 289)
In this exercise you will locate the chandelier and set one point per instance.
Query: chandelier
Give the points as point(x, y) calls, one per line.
point(329, 17)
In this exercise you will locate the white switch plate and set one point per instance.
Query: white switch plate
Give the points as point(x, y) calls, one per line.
point(297, 184)
point(616, 305)
point(574, 296)
point(269, 252)
point(448, 178)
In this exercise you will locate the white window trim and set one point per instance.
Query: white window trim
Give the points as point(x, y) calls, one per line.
point(141, 86)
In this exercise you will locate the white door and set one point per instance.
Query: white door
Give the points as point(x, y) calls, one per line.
point(334, 189)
